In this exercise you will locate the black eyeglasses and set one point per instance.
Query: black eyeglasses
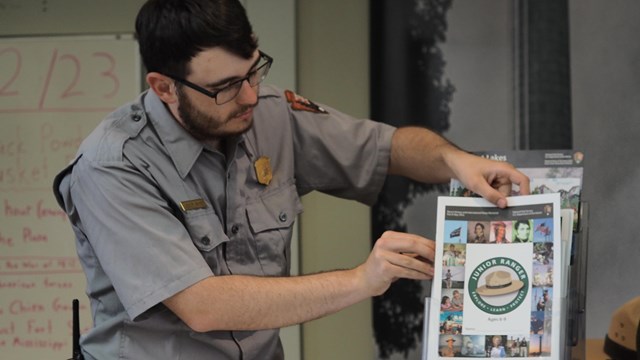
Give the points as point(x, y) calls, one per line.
point(229, 92)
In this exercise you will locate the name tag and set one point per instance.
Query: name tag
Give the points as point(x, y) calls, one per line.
point(193, 205)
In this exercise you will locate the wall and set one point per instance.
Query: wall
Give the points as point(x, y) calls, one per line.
point(479, 64)
point(67, 17)
point(333, 68)
point(605, 72)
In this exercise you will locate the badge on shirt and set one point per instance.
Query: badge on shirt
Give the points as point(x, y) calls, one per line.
point(300, 103)
point(263, 170)
point(193, 204)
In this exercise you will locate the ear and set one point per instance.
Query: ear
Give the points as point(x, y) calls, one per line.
point(163, 86)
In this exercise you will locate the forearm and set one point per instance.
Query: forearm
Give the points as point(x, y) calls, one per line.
point(425, 156)
point(238, 302)
point(253, 303)
point(421, 155)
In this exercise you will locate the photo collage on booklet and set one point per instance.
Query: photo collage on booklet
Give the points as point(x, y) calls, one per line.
point(497, 282)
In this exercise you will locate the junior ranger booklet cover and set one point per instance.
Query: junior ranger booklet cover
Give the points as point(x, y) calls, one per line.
point(497, 276)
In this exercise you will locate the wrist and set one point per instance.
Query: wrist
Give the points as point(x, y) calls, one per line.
point(367, 285)
point(451, 157)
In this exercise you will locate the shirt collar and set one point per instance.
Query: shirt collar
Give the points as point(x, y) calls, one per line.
point(183, 148)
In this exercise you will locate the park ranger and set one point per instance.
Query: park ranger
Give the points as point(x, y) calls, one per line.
point(183, 201)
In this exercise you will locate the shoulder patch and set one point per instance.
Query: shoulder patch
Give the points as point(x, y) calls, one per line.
point(300, 103)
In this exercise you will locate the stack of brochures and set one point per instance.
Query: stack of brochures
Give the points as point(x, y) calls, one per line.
point(499, 273)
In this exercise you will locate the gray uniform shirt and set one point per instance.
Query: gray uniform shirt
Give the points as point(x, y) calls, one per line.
point(141, 238)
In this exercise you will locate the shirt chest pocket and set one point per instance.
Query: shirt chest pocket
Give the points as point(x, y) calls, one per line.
point(271, 219)
point(207, 235)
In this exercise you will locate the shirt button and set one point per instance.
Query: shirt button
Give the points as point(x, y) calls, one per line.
point(234, 229)
point(206, 241)
point(136, 117)
point(283, 216)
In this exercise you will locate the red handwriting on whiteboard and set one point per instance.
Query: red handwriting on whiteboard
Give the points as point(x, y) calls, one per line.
point(39, 265)
point(23, 306)
point(24, 174)
point(45, 343)
point(20, 306)
point(71, 90)
point(25, 159)
point(89, 77)
point(30, 236)
point(6, 240)
point(54, 139)
point(4, 88)
point(12, 208)
point(109, 73)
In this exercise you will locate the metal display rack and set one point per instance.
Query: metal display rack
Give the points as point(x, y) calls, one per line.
point(576, 303)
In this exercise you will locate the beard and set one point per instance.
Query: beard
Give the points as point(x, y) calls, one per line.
point(205, 127)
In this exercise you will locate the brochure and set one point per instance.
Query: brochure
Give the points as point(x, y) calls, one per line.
point(497, 274)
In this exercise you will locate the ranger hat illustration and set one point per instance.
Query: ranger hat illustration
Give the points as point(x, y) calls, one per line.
point(622, 341)
point(499, 282)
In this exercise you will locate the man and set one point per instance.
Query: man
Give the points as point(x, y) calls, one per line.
point(449, 257)
point(500, 233)
point(183, 201)
point(449, 351)
point(523, 231)
point(448, 279)
point(524, 347)
point(479, 236)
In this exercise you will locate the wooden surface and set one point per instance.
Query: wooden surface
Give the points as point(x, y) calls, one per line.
point(594, 350)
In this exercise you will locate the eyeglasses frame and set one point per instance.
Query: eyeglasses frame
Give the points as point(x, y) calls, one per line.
point(214, 94)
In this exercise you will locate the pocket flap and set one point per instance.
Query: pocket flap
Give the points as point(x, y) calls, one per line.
point(274, 210)
point(205, 229)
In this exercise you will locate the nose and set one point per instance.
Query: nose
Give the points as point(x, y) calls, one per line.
point(248, 95)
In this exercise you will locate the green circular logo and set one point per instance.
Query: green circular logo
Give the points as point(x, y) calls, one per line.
point(498, 285)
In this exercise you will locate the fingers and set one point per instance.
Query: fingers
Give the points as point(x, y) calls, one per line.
point(493, 195)
point(523, 182)
point(497, 183)
point(506, 175)
point(401, 255)
point(412, 266)
point(490, 179)
point(412, 245)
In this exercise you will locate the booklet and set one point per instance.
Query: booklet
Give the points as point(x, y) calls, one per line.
point(497, 276)
point(549, 171)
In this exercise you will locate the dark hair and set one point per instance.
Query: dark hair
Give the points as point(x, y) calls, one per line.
point(522, 222)
point(171, 32)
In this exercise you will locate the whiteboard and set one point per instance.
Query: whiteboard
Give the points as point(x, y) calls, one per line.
point(53, 92)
